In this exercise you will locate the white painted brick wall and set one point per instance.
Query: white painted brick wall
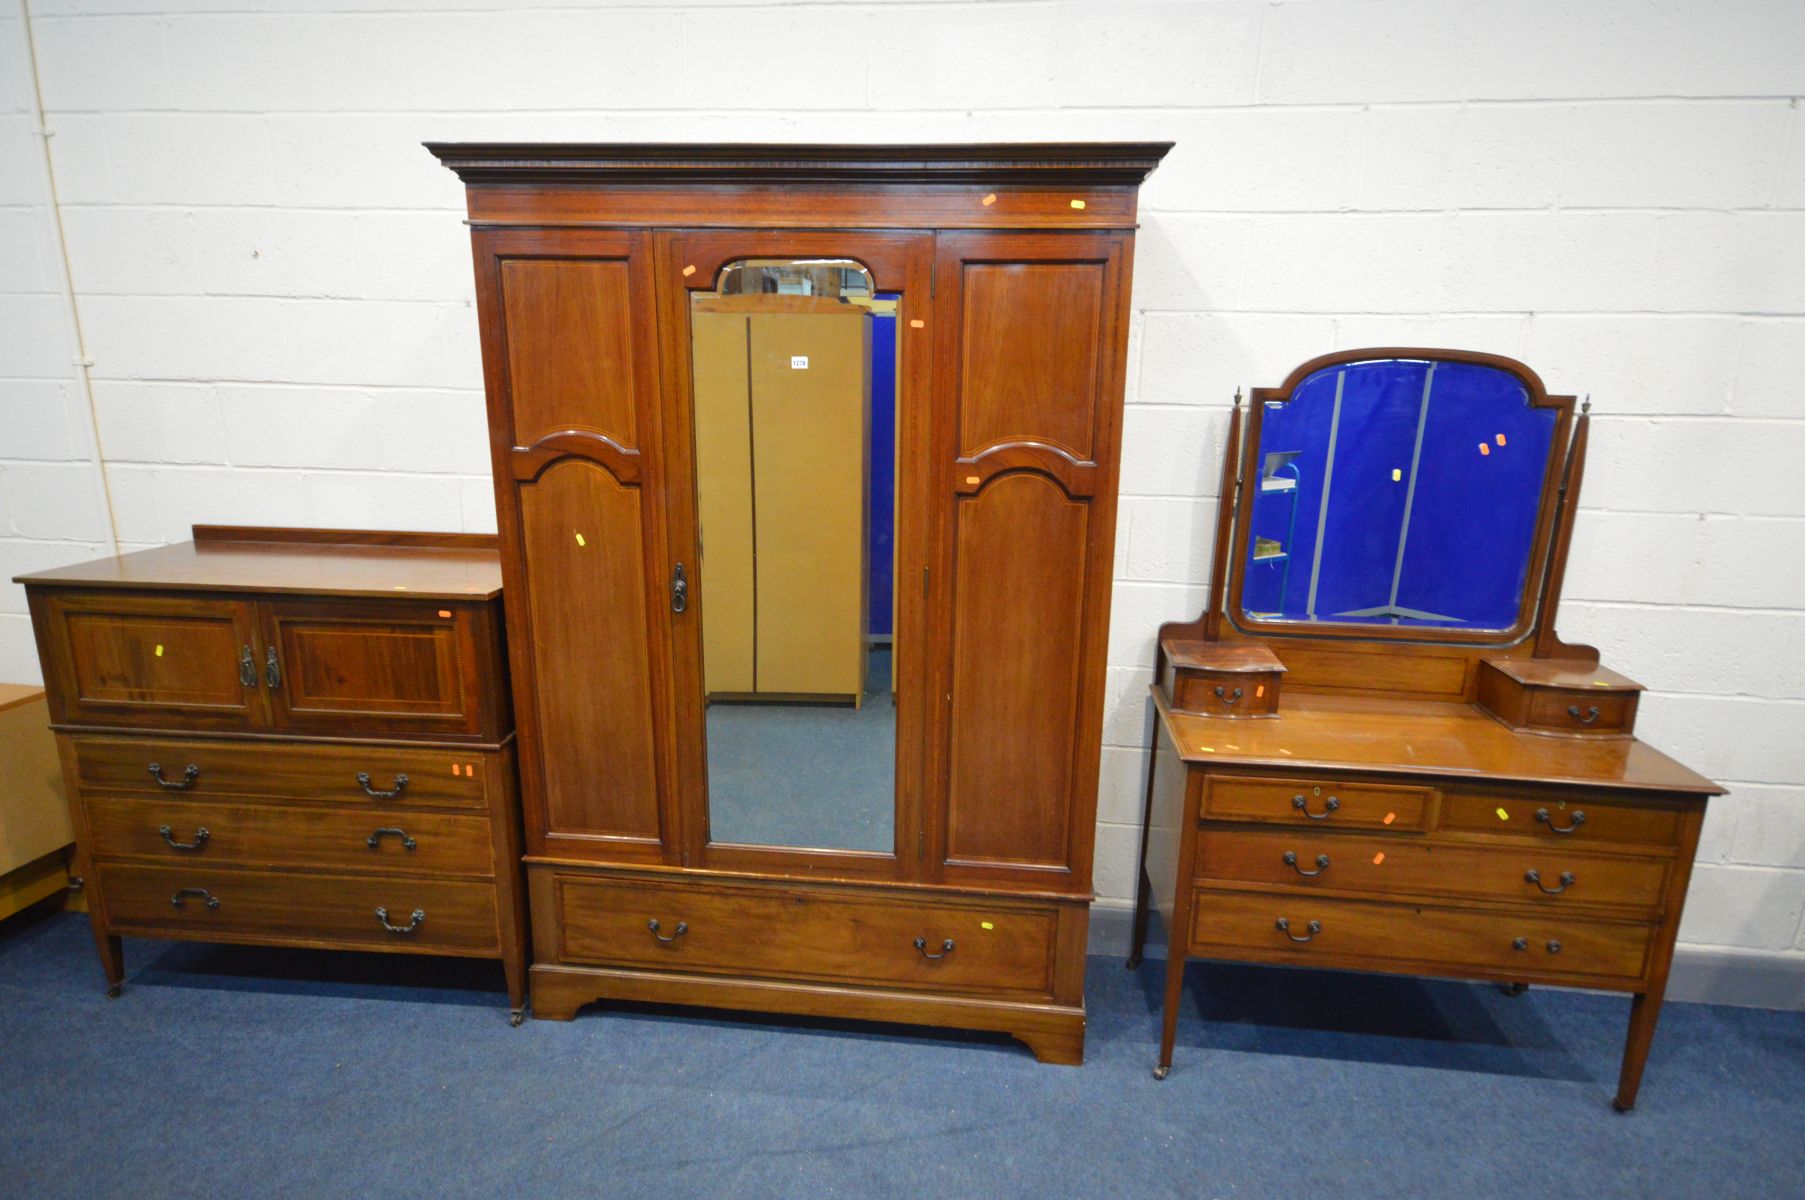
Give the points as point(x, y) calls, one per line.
point(276, 287)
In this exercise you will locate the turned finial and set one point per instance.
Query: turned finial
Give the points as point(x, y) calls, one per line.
point(1586, 405)
point(1237, 397)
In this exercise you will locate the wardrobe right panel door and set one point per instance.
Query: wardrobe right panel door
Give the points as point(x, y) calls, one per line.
point(1029, 381)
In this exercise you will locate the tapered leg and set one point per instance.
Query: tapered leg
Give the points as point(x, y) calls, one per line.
point(514, 966)
point(1175, 990)
point(1143, 905)
point(1143, 892)
point(1645, 1010)
point(112, 959)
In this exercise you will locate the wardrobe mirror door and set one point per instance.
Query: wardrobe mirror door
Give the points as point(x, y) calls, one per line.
point(794, 370)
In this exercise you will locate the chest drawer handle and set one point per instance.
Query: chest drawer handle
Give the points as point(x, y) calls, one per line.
point(1523, 944)
point(682, 928)
point(1284, 926)
point(182, 895)
point(1543, 818)
point(200, 838)
point(363, 779)
point(419, 916)
point(190, 773)
point(1322, 864)
point(946, 948)
point(1534, 876)
point(1589, 716)
point(1302, 806)
point(375, 838)
point(1229, 697)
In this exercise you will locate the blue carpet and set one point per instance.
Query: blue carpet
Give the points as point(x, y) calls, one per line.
point(241, 1072)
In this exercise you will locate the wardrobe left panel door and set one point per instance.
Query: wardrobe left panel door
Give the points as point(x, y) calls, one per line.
point(569, 360)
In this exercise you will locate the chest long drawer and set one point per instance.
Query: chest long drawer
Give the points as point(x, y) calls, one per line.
point(211, 903)
point(805, 933)
point(226, 833)
point(1553, 875)
point(198, 769)
point(1367, 935)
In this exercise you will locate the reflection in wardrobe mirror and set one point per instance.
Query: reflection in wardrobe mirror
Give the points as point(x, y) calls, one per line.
point(1397, 492)
point(794, 370)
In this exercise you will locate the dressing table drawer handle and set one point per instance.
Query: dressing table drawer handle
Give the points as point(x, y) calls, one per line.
point(1544, 818)
point(1534, 876)
point(946, 948)
point(200, 838)
point(1322, 864)
point(682, 928)
point(376, 836)
point(419, 916)
point(1284, 926)
point(190, 773)
point(1228, 698)
point(363, 780)
point(1328, 807)
point(1586, 718)
point(183, 894)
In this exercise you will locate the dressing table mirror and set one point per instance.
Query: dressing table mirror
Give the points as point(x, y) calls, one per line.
point(1372, 751)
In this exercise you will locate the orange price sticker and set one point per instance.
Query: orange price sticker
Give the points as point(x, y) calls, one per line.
point(1484, 449)
point(990, 200)
point(444, 612)
point(1378, 858)
point(1390, 817)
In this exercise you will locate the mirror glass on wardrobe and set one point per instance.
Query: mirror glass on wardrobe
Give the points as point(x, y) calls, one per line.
point(1397, 492)
point(794, 370)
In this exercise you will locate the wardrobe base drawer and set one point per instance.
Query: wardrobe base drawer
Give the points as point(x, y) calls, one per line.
point(202, 770)
point(1365, 935)
point(224, 833)
point(780, 931)
point(215, 904)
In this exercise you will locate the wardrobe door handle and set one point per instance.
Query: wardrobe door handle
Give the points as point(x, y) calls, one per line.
point(682, 928)
point(183, 894)
point(946, 948)
point(200, 838)
point(419, 915)
point(363, 781)
point(1322, 864)
point(1543, 818)
point(272, 672)
point(1283, 925)
point(679, 590)
point(1534, 876)
point(189, 774)
point(1228, 698)
point(1591, 714)
point(1302, 806)
point(247, 668)
point(375, 838)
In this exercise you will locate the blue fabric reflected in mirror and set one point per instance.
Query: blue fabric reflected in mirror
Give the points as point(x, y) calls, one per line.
point(1397, 492)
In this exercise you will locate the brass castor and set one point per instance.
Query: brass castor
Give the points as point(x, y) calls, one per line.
point(516, 1016)
point(1513, 989)
point(1621, 1107)
point(1161, 1072)
point(113, 990)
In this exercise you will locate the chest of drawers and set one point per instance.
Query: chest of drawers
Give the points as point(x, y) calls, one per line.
point(290, 737)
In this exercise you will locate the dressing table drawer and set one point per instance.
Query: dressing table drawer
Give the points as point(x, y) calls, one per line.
point(1388, 866)
point(1373, 936)
point(803, 933)
point(1567, 819)
point(1575, 712)
point(1329, 803)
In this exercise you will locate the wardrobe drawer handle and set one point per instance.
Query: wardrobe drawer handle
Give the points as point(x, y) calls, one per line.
point(1228, 698)
point(1543, 818)
point(1590, 715)
point(419, 915)
point(1328, 806)
point(247, 668)
point(183, 894)
point(363, 779)
point(946, 948)
point(1534, 876)
point(1322, 864)
point(682, 928)
point(200, 838)
point(1283, 924)
point(272, 671)
point(190, 773)
point(375, 838)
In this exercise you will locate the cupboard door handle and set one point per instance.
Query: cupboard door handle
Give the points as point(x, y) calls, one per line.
point(1543, 817)
point(182, 894)
point(1284, 926)
point(247, 668)
point(1228, 698)
point(189, 774)
point(679, 590)
point(272, 672)
point(1534, 876)
point(363, 780)
point(1322, 864)
point(1302, 806)
point(200, 838)
point(682, 928)
point(1590, 715)
point(375, 838)
point(419, 915)
point(946, 948)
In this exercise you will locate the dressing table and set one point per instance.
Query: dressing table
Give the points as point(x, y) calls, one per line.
point(1443, 787)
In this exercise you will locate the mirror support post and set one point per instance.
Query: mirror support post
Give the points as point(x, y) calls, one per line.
point(1563, 534)
point(1227, 499)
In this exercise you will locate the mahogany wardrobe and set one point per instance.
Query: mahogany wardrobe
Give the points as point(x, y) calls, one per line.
point(805, 462)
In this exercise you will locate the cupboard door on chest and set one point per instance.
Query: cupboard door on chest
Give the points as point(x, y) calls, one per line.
point(569, 362)
point(1030, 381)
